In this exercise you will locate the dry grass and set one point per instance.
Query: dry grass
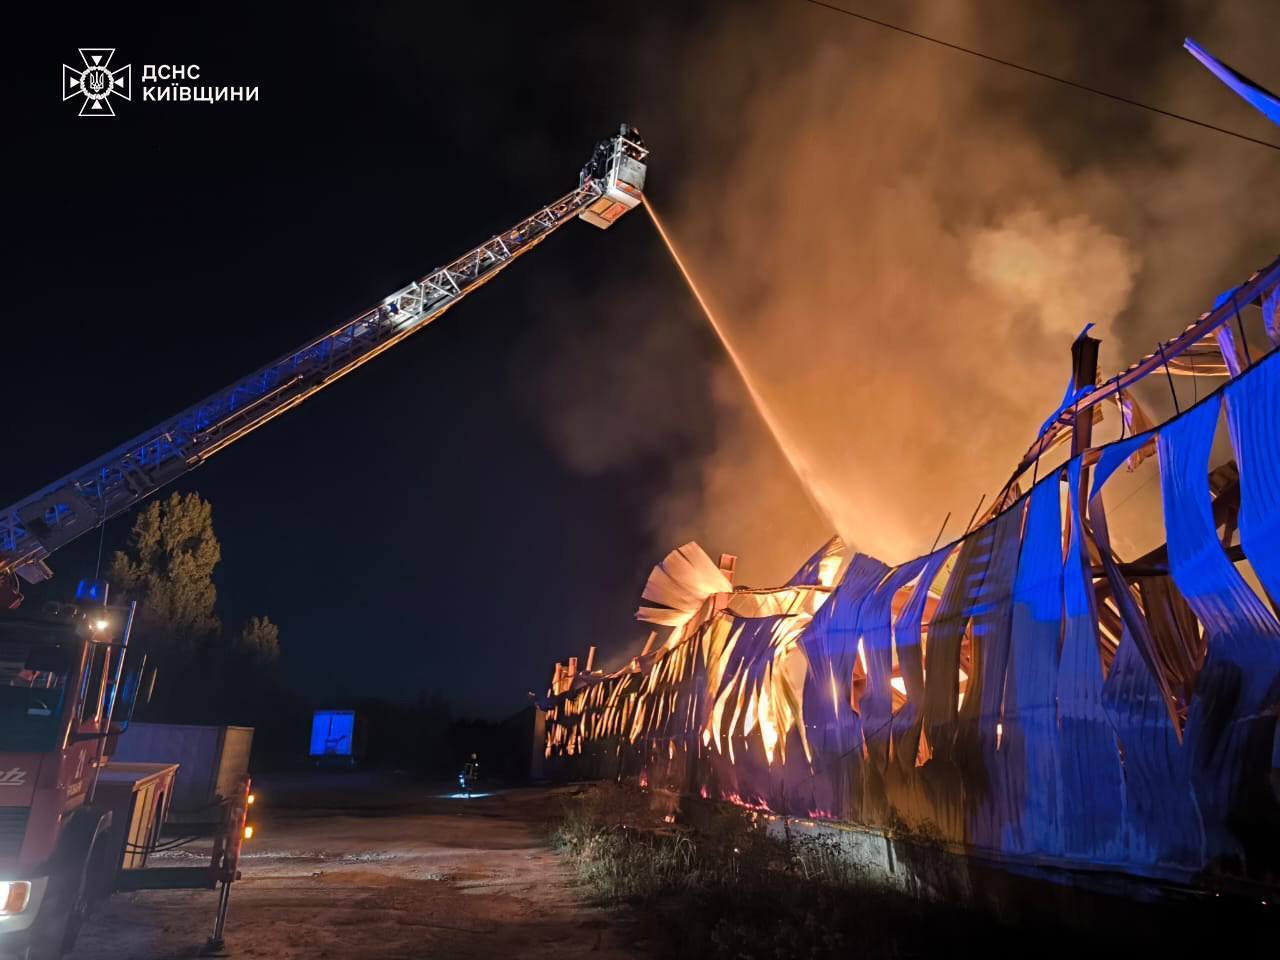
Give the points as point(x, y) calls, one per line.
point(619, 849)
point(730, 892)
point(726, 890)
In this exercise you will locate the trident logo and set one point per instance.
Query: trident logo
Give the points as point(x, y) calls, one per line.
point(97, 82)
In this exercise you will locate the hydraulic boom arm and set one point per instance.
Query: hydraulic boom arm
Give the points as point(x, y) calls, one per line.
point(611, 183)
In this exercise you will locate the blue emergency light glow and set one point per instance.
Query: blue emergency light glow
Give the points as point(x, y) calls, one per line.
point(331, 733)
point(92, 591)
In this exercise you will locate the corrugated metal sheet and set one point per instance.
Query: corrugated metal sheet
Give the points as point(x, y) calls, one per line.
point(1059, 705)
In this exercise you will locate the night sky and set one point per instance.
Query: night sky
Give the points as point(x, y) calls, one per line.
point(408, 528)
point(412, 528)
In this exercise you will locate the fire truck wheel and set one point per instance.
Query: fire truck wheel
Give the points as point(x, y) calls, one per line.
point(60, 936)
point(78, 911)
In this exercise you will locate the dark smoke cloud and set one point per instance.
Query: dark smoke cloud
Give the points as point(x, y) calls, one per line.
point(903, 242)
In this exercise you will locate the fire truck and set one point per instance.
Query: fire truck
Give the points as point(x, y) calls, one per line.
point(74, 827)
point(74, 824)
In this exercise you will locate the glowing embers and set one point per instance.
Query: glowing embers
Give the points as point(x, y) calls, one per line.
point(757, 804)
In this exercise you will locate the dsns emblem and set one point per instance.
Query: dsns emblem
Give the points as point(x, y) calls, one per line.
point(97, 82)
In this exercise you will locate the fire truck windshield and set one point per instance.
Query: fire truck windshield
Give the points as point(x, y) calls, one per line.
point(34, 667)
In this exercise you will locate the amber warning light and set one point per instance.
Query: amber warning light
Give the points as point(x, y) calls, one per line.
point(14, 895)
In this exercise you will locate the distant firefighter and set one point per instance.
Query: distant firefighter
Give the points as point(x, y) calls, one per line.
point(469, 775)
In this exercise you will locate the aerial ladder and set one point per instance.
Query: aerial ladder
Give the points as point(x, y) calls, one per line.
point(611, 183)
point(75, 825)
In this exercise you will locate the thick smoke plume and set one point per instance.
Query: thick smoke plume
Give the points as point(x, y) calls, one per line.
point(903, 242)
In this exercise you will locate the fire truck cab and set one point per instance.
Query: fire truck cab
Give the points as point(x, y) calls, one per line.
point(62, 682)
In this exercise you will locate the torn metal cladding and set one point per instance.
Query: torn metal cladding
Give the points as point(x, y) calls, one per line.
point(1022, 692)
point(1177, 356)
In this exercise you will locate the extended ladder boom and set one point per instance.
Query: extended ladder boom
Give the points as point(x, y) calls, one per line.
point(610, 184)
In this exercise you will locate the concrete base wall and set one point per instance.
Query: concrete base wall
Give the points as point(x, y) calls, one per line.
point(939, 872)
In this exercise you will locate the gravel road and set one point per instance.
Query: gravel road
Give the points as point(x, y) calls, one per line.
point(358, 867)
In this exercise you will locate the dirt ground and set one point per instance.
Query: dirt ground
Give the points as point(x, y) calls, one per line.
point(356, 866)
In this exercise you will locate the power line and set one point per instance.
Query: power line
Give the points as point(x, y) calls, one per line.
point(1042, 74)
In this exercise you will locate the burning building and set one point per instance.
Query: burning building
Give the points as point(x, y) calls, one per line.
point(1022, 691)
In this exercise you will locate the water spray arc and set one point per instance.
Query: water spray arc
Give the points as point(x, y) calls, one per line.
point(793, 457)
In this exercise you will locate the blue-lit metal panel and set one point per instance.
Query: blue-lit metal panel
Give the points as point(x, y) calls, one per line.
point(1231, 722)
point(1253, 413)
point(1074, 708)
point(1253, 93)
point(332, 733)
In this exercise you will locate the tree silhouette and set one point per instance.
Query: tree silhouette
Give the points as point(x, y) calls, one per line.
point(167, 566)
point(259, 640)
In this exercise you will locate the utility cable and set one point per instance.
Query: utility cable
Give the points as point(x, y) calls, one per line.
point(102, 537)
point(1042, 74)
point(161, 847)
